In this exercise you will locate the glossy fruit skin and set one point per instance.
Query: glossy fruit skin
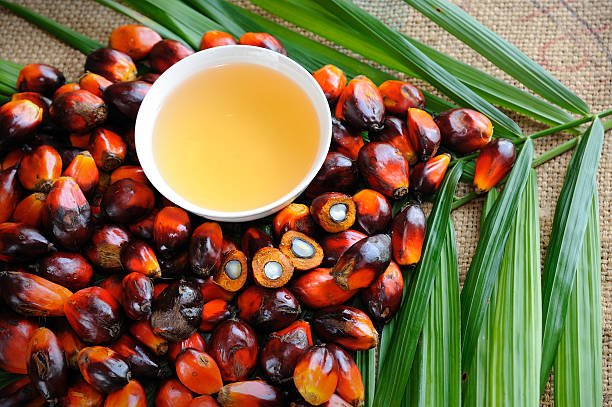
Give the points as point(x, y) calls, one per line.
point(345, 142)
point(268, 309)
point(78, 111)
point(316, 375)
point(18, 119)
point(107, 148)
point(19, 243)
point(399, 96)
point(94, 83)
point(464, 130)
point(20, 392)
point(211, 290)
point(346, 326)
point(426, 177)
point(95, 315)
point(384, 169)
point(103, 368)
point(39, 168)
point(332, 81)
point(130, 395)
point(38, 99)
point(321, 211)
point(11, 159)
point(143, 331)
point(204, 401)
point(112, 64)
point(254, 239)
point(134, 40)
point(408, 235)
point(84, 171)
point(113, 284)
point(139, 257)
point(205, 248)
point(282, 350)
point(137, 295)
point(178, 311)
point(143, 228)
point(213, 313)
point(40, 78)
point(171, 230)
point(70, 270)
point(10, 193)
point(252, 393)
point(363, 262)
point(383, 298)
point(262, 40)
point(46, 366)
point(82, 394)
point(65, 88)
point(373, 211)
point(334, 245)
point(214, 38)
point(395, 133)
point(350, 384)
point(175, 266)
point(166, 53)
point(124, 99)
point(133, 172)
point(70, 342)
point(317, 289)
point(423, 132)
point(172, 393)
point(195, 341)
point(233, 345)
point(127, 200)
point(360, 105)
point(31, 295)
point(198, 372)
point(493, 163)
point(293, 217)
point(29, 210)
point(104, 248)
point(15, 334)
point(338, 173)
point(143, 363)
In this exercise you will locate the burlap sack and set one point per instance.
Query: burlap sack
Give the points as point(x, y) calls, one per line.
point(570, 38)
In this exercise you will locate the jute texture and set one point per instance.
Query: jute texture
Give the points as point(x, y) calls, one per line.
point(570, 38)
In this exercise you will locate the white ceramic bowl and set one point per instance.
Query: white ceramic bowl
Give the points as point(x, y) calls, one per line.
point(183, 70)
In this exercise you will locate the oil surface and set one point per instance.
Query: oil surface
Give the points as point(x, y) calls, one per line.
point(235, 137)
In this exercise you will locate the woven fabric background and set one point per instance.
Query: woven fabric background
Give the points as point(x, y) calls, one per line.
point(570, 38)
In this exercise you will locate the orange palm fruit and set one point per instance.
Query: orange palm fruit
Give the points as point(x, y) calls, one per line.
point(65, 88)
point(232, 271)
point(318, 289)
point(334, 245)
point(29, 210)
point(363, 262)
point(143, 363)
point(271, 268)
point(124, 99)
point(15, 334)
point(408, 234)
point(316, 375)
point(104, 248)
point(395, 133)
point(178, 310)
point(171, 230)
point(204, 401)
point(113, 284)
point(262, 40)
point(303, 252)
point(215, 38)
point(332, 81)
point(78, 111)
point(426, 177)
point(31, 295)
point(133, 172)
point(19, 243)
point(94, 314)
point(127, 200)
point(70, 342)
point(464, 130)
point(384, 169)
point(333, 211)
point(252, 393)
point(399, 96)
point(211, 290)
point(114, 65)
point(107, 148)
point(143, 331)
point(18, 119)
point(350, 384)
point(94, 83)
point(172, 393)
point(205, 248)
point(82, 394)
point(195, 341)
point(143, 228)
point(137, 295)
point(293, 217)
point(346, 326)
point(233, 345)
point(361, 105)
point(134, 40)
point(78, 140)
point(198, 372)
point(38, 99)
point(139, 257)
point(338, 173)
point(11, 159)
point(268, 309)
point(103, 368)
point(345, 142)
point(493, 163)
point(39, 168)
point(384, 296)
point(84, 171)
point(282, 350)
point(423, 132)
point(10, 193)
point(166, 53)
point(372, 211)
point(67, 269)
point(40, 78)
point(46, 365)
point(130, 395)
point(254, 239)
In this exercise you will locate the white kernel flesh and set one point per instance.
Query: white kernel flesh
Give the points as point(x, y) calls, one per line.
point(338, 212)
point(302, 248)
point(233, 269)
point(273, 270)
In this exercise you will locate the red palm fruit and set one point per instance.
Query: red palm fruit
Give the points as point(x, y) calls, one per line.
point(130, 140)
point(334, 245)
point(338, 173)
point(39, 168)
point(493, 163)
point(112, 64)
point(107, 148)
point(149, 77)
point(271, 268)
point(464, 130)
point(346, 326)
point(130, 395)
point(124, 99)
point(204, 401)
point(171, 230)
point(94, 83)
point(94, 314)
point(82, 394)
point(213, 313)
point(127, 200)
point(38, 99)
point(113, 284)
point(166, 53)
point(227, 246)
point(214, 38)
point(268, 309)
point(104, 249)
point(254, 239)
point(293, 217)
point(177, 311)
point(78, 111)
point(363, 262)
point(84, 171)
point(252, 393)
point(399, 96)
point(233, 345)
point(70, 342)
point(336, 401)
point(143, 228)
point(205, 248)
point(78, 140)
point(46, 365)
point(283, 349)
point(11, 159)
point(15, 334)
point(137, 295)
point(195, 341)
point(68, 87)
point(18, 119)
point(333, 211)
point(10, 193)
point(142, 362)
point(262, 40)
point(408, 234)
point(384, 169)
point(70, 270)
point(198, 372)
point(103, 368)
point(350, 385)
point(318, 289)
point(19, 243)
point(373, 211)
point(133, 172)
point(233, 270)
point(303, 252)
point(423, 132)
point(395, 133)
point(68, 154)
point(40, 78)
point(143, 331)
point(360, 105)
point(211, 290)
point(172, 393)
point(134, 40)
point(21, 392)
point(139, 257)
point(316, 375)
point(67, 214)
point(345, 142)
point(426, 177)
point(158, 288)
point(31, 295)
point(175, 266)
point(332, 81)
point(29, 210)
